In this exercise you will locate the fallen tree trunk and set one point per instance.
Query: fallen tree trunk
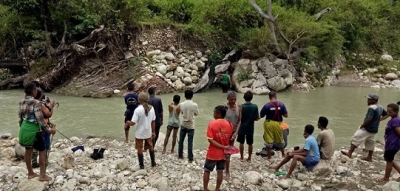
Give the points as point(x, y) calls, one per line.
point(13, 83)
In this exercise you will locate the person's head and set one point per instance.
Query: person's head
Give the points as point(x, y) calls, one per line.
point(372, 99)
point(323, 122)
point(272, 95)
point(30, 89)
point(248, 96)
point(220, 112)
point(39, 95)
point(144, 101)
point(392, 109)
point(308, 130)
point(152, 90)
point(131, 86)
point(37, 84)
point(231, 97)
point(188, 94)
point(176, 99)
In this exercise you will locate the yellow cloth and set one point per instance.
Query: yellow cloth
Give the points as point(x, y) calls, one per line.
point(273, 132)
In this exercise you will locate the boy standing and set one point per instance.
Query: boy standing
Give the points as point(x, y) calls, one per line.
point(219, 132)
point(131, 102)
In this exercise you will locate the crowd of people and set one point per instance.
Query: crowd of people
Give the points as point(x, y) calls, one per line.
point(232, 122)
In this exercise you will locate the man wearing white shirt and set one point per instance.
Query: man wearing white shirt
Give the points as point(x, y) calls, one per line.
point(189, 110)
point(144, 118)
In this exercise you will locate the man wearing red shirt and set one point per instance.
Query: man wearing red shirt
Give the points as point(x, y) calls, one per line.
point(219, 133)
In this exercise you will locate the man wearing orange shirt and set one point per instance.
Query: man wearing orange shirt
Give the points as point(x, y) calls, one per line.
point(219, 133)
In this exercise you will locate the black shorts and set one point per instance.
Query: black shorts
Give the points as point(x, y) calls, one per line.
point(172, 127)
point(389, 155)
point(209, 165)
point(249, 139)
point(38, 143)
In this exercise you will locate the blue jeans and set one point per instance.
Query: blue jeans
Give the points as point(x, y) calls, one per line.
point(182, 135)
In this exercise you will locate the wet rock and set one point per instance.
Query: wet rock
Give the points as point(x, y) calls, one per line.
point(391, 186)
point(254, 177)
point(32, 185)
point(6, 136)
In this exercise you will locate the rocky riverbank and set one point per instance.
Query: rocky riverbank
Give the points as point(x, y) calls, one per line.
point(119, 171)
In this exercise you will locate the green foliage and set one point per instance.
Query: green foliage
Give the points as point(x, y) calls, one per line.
point(5, 74)
point(244, 75)
point(42, 66)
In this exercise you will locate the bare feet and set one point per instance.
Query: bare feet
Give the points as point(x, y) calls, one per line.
point(126, 141)
point(284, 177)
point(383, 180)
point(274, 168)
point(248, 160)
point(34, 175)
point(44, 178)
point(227, 177)
point(241, 159)
point(172, 151)
point(345, 153)
point(163, 152)
point(267, 158)
point(366, 159)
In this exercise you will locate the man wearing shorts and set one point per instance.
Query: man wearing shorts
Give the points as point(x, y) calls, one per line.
point(219, 132)
point(309, 155)
point(246, 130)
point(31, 121)
point(273, 111)
point(131, 102)
point(144, 118)
point(367, 131)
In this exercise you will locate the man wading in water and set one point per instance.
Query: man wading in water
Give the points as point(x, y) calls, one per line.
point(158, 108)
point(233, 115)
point(274, 111)
point(226, 82)
point(367, 131)
point(144, 118)
point(31, 121)
point(131, 102)
point(173, 122)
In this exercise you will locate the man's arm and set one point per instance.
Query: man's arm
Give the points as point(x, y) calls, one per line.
point(263, 111)
point(319, 140)
point(20, 115)
point(239, 118)
point(134, 119)
point(37, 108)
point(384, 115)
point(284, 111)
point(257, 114)
point(161, 112)
point(196, 111)
point(368, 119)
point(216, 144)
point(153, 128)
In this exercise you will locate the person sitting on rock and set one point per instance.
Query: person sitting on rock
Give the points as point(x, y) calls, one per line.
point(173, 122)
point(219, 133)
point(144, 118)
point(31, 121)
point(325, 139)
point(392, 141)
point(309, 155)
point(367, 131)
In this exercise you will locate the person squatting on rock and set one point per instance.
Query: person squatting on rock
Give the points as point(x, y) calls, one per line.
point(246, 129)
point(325, 139)
point(273, 111)
point(233, 115)
point(31, 121)
point(144, 118)
point(309, 155)
point(189, 110)
point(219, 132)
point(131, 102)
point(47, 108)
point(173, 122)
point(367, 131)
point(392, 141)
point(158, 109)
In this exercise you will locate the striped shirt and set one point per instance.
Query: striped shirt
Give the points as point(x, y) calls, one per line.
point(30, 110)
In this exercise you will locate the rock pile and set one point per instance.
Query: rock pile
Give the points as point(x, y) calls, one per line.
point(119, 171)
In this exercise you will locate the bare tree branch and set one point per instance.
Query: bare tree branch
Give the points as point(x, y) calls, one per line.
point(319, 14)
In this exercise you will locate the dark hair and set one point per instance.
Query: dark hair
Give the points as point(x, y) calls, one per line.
point(394, 106)
point(248, 96)
point(37, 84)
point(38, 95)
point(188, 94)
point(398, 103)
point(323, 121)
point(221, 109)
point(151, 90)
point(131, 86)
point(309, 129)
point(176, 99)
point(29, 88)
point(272, 94)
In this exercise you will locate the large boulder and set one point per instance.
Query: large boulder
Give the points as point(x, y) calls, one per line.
point(387, 57)
point(32, 185)
point(267, 68)
point(391, 76)
point(391, 186)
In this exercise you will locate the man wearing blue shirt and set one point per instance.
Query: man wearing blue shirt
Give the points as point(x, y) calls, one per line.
point(131, 102)
point(274, 112)
point(309, 155)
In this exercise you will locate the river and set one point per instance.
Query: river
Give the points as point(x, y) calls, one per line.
point(345, 107)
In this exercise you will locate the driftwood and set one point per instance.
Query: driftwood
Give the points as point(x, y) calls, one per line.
point(16, 82)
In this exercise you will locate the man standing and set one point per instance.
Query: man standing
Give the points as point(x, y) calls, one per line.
point(219, 133)
point(189, 110)
point(325, 139)
point(226, 82)
point(309, 155)
point(158, 108)
point(246, 129)
point(131, 102)
point(273, 111)
point(144, 117)
point(366, 132)
point(233, 115)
